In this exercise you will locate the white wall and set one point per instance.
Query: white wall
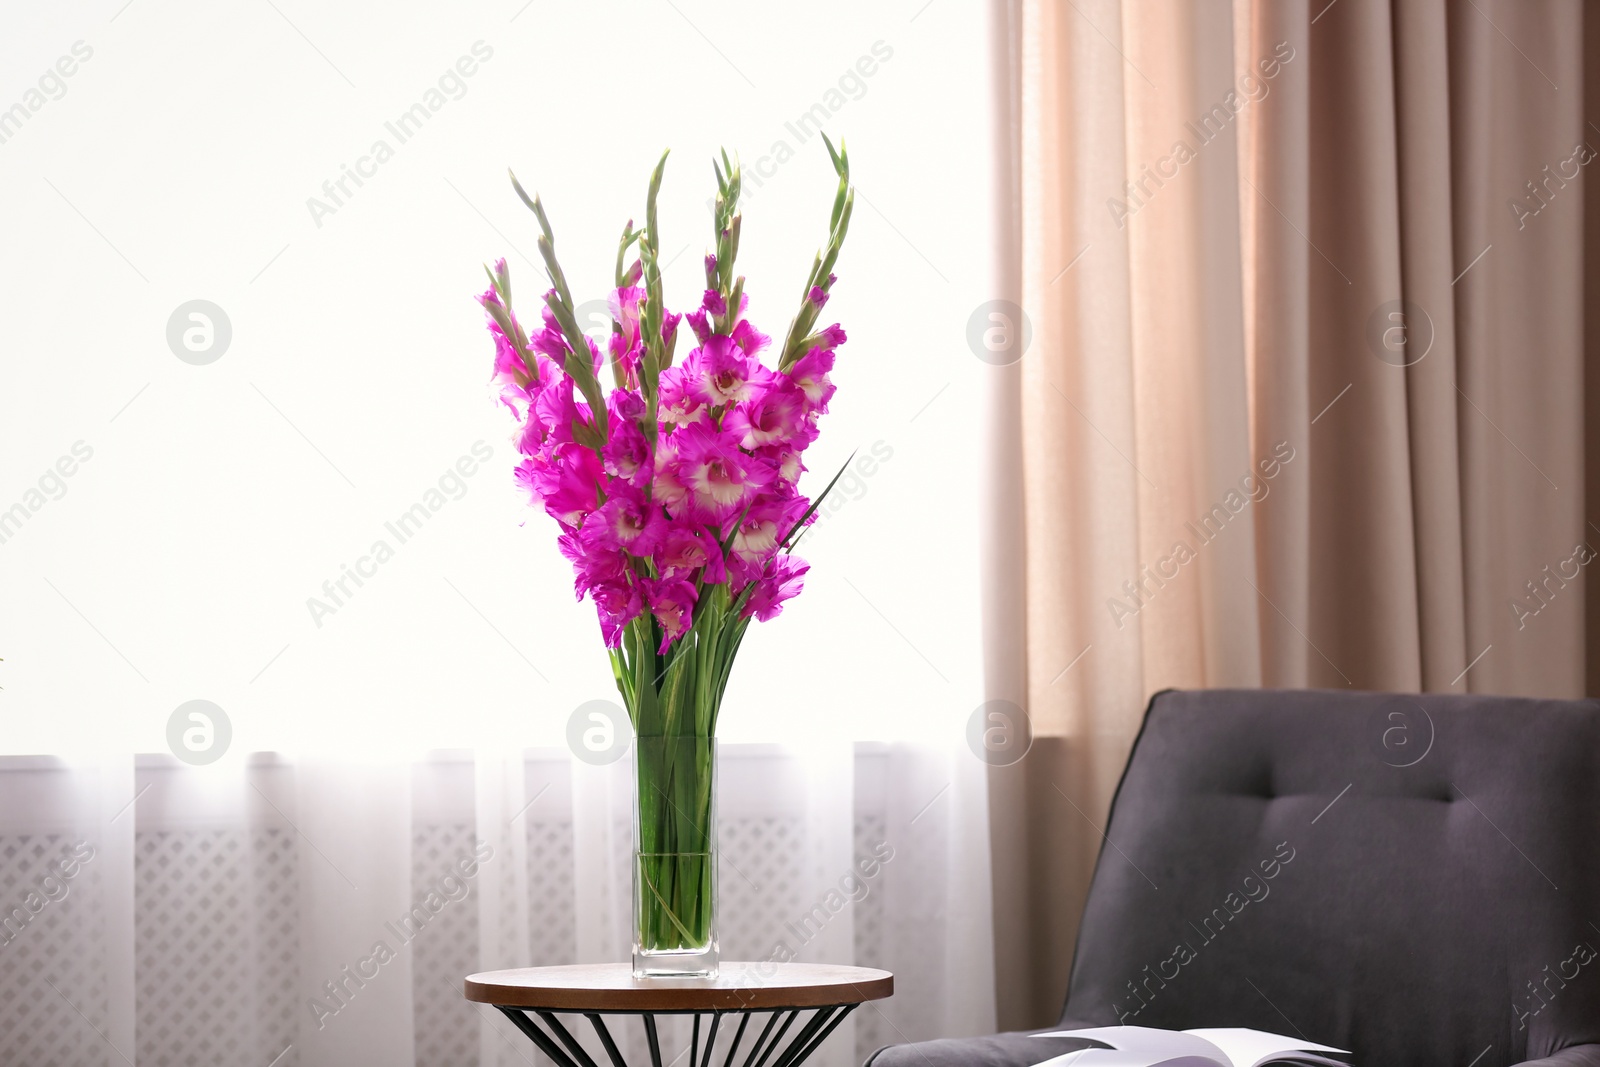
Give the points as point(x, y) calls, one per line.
point(177, 165)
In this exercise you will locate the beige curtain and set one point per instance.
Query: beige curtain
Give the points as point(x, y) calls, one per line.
point(1304, 403)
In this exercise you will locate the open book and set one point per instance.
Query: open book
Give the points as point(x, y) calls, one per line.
point(1143, 1046)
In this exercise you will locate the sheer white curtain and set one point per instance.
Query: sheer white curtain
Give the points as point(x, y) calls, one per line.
point(314, 912)
point(169, 527)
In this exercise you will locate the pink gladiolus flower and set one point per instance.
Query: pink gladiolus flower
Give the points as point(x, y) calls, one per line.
point(742, 573)
point(748, 338)
point(617, 603)
point(625, 404)
point(603, 573)
point(627, 453)
point(687, 549)
point(548, 340)
point(626, 521)
point(627, 356)
point(596, 358)
point(716, 474)
point(624, 347)
point(724, 371)
point(511, 377)
point(764, 525)
point(833, 336)
point(666, 486)
point(572, 548)
point(811, 376)
point(550, 405)
point(553, 343)
point(672, 602)
point(554, 411)
point(677, 404)
point(700, 325)
point(592, 565)
point(819, 294)
point(784, 459)
point(782, 580)
point(530, 436)
point(713, 303)
point(624, 307)
point(775, 414)
point(567, 482)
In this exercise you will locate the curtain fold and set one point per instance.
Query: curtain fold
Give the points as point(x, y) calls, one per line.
point(1305, 403)
point(353, 834)
point(501, 804)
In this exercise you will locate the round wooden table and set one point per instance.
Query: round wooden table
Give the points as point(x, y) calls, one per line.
point(781, 990)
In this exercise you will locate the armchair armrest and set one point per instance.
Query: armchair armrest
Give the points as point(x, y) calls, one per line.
point(1575, 1056)
point(1017, 1049)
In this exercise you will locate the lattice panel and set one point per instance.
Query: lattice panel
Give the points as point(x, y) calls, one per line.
point(446, 949)
point(52, 957)
point(215, 946)
point(761, 870)
point(552, 924)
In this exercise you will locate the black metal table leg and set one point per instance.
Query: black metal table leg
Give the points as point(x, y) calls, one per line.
point(807, 1032)
point(744, 1021)
point(557, 1042)
point(546, 1045)
point(794, 1013)
point(816, 1043)
point(577, 1050)
point(605, 1039)
point(772, 1020)
point(655, 1042)
point(711, 1040)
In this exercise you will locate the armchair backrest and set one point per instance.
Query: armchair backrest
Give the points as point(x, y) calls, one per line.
point(1413, 878)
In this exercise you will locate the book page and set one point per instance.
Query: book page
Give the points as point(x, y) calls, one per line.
point(1139, 1046)
point(1249, 1048)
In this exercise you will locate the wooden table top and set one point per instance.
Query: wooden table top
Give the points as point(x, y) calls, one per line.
point(610, 987)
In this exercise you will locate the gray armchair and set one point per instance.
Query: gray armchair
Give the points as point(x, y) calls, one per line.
point(1413, 878)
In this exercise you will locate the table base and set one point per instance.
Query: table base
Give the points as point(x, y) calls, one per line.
point(565, 1051)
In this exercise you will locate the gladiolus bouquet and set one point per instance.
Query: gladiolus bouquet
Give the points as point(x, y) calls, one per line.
point(676, 495)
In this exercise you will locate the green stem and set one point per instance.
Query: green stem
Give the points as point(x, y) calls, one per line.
point(675, 842)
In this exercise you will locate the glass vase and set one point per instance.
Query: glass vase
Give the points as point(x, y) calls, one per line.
point(674, 857)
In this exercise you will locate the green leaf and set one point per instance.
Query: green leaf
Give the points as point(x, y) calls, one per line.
point(650, 200)
point(526, 199)
point(831, 153)
point(640, 633)
point(629, 236)
point(735, 531)
point(816, 503)
point(587, 436)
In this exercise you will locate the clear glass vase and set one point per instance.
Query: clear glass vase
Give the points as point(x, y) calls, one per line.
point(674, 857)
